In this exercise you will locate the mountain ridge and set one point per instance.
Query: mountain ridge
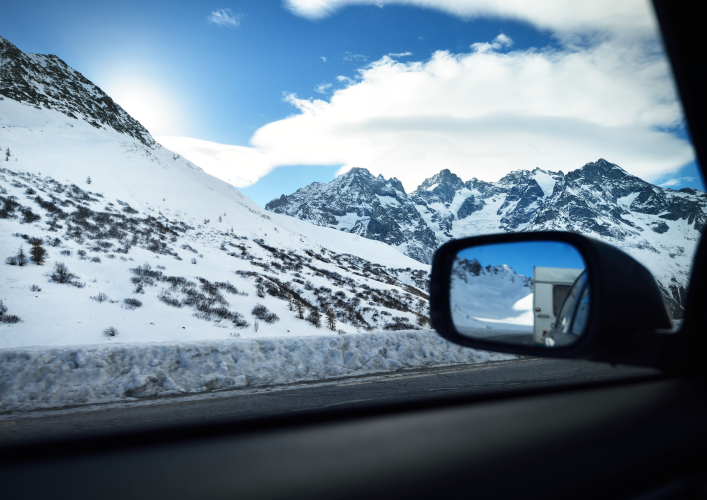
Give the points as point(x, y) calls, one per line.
point(600, 199)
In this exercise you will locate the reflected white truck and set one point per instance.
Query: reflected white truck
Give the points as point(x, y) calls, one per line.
point(550, 286)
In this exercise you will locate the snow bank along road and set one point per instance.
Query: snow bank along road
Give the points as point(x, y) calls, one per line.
point(239, 404)
point(52, 377)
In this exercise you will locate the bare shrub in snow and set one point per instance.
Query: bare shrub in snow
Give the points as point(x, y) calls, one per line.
point(235, 335)
point(227, 286)
point(96, 260)
point(187, 247)
point(82, 254)
point(239, 321)
point(20, 259)
point(35, 288)
point(61, 274)
point(110, 331)
point(262, 312)
point(101, 297)
point(256, 325)
point(131, 303)
point(193, 260)
point(67, 253)
point(7, 318)
point(165, 297)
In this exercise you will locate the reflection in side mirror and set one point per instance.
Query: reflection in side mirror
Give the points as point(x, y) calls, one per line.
point(524, 293)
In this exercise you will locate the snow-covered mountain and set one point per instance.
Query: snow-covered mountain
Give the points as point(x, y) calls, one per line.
point(159, 249)
point(658, 226)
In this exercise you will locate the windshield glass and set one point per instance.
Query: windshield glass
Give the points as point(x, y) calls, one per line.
point(220, 212)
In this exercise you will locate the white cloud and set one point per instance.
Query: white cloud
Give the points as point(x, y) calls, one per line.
point(225, 17)
point(481, 114)
point(323, 59)
point(677, 181)
point(323, 88)
point(561, 16)
point(238, 165)
point(357, 58)
point(400, 54)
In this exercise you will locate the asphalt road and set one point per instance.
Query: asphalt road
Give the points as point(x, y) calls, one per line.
point(244, 404)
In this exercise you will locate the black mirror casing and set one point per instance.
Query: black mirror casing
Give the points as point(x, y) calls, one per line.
point(626, 307)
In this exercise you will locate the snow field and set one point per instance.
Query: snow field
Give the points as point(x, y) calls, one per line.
point(51, 377)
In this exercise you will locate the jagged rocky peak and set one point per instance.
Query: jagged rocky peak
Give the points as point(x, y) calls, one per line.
point(609, 178)
point(443, 186)
point(45, 81)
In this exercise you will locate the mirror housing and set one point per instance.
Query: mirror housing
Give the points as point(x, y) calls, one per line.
point(626, 313)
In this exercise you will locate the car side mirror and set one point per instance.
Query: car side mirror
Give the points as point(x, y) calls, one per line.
point(550, 294)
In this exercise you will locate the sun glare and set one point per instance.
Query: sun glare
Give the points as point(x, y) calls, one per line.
point(151, 105)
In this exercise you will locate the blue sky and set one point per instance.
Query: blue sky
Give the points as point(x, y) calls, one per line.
point(523, 256)
point(286, 93)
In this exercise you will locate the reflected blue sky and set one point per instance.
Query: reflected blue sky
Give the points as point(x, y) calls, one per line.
point(523, 256)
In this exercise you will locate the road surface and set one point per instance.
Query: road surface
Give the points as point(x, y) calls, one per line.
point(252, 403)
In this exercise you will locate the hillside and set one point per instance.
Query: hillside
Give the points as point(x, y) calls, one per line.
point(137, 224)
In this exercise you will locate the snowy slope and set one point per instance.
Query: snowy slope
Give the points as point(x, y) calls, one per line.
point(147, 205)
point(490, 301)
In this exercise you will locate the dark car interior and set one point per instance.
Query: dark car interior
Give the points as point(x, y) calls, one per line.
point(642, 438)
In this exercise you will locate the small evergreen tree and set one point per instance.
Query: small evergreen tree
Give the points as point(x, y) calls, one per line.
point(331, 319)
point(7, 155)
point(88, 180)
point(21, 257)
point(315, 318)
point(219, 218)
point(37, 253)
point(300, 309)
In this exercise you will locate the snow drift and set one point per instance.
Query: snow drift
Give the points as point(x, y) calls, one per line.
point(41, 377)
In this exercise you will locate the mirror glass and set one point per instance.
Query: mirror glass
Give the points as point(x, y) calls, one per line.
point(527, 293)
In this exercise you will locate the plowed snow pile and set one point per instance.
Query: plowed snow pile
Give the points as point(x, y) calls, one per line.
point(41, 377)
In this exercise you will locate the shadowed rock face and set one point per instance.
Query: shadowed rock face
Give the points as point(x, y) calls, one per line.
point(600, 200)
point(45, 81)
